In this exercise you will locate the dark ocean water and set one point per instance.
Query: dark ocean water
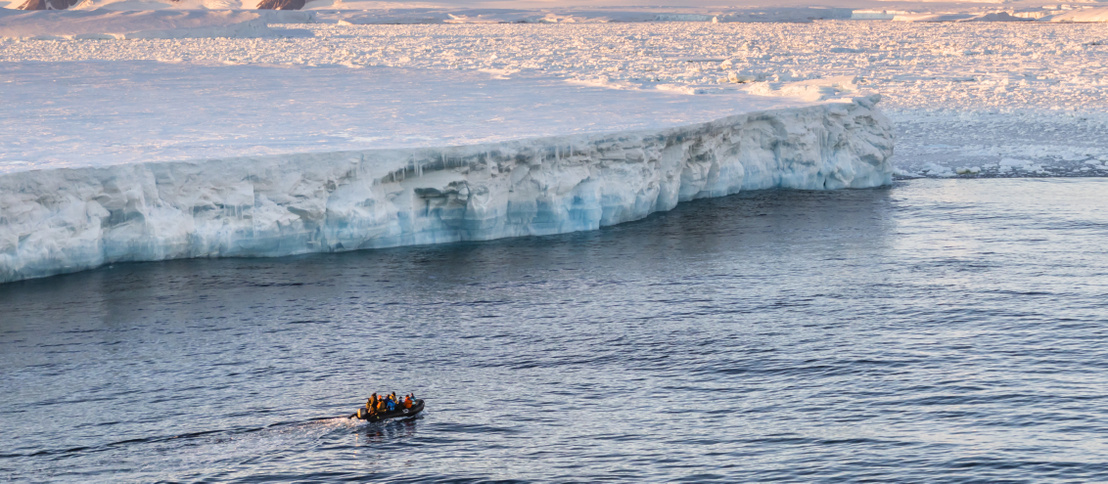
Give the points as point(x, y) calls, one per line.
point(937, 330)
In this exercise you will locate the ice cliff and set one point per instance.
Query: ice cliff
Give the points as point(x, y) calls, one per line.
point(69, 219)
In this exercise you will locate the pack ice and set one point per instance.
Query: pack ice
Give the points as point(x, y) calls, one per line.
point(152, 161)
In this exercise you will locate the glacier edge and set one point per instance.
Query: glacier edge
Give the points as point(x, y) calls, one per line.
point(65, 220)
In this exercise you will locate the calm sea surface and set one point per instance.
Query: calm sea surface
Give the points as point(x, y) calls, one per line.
point(937, 330)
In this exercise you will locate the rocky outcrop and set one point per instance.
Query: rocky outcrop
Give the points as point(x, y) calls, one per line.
point(281, 5)
point(48, 4)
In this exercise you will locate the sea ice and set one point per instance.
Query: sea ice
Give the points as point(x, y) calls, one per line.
point(960, 94)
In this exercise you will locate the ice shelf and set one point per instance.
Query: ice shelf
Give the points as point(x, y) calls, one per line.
point(58, 217)
point(65, 220)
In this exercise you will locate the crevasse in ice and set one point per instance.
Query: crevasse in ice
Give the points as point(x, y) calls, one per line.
point(64, 220)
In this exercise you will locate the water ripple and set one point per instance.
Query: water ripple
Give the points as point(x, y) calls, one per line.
point(941, 330)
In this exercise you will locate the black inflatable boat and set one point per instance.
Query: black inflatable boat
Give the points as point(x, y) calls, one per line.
point(399, 412)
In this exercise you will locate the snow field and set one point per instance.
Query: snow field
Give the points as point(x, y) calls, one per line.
point(124, 112)
point(999, 66)
point(991, 84)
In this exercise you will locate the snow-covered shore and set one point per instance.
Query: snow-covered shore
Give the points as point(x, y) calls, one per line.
point(70, 219)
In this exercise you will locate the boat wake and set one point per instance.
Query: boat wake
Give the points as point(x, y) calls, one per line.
point(315, 428)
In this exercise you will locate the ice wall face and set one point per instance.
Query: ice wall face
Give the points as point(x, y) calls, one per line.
point(66, 220)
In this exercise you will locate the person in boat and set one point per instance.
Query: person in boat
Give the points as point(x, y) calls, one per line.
point(379, 406)
point(370, 407)
point(371, 404)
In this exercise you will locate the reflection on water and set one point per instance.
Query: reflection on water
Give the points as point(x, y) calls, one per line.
point(389, 431)
point(939, 330)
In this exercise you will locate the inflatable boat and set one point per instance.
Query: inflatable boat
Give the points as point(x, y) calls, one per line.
point(399, 412)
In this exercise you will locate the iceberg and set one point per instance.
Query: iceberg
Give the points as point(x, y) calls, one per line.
point(69, 219)
point(140, 161)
